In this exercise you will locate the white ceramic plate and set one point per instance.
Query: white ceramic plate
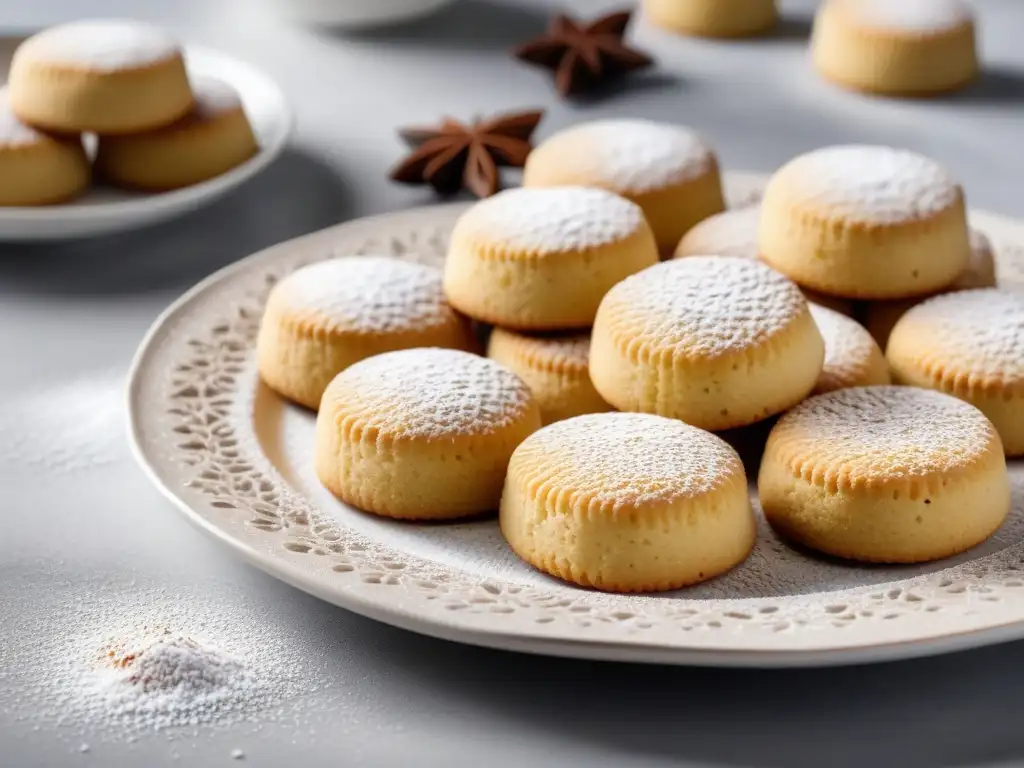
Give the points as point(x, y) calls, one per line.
point(103, 210)
point(238, 461)
point(353, 14)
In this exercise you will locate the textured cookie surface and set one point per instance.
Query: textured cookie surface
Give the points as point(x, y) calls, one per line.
point(627, 502)
point(37, 169)
point(888, 474)
point(852, 358)
point(556, 368)
point(422, 433)
point(907, 47)
point(542, 259)
point(105, 75)
point(669, 170)
point(969, 344)
point(734, 233)
point(214, 138)
point(715, 341)
point(865, 222)
point(327, 316)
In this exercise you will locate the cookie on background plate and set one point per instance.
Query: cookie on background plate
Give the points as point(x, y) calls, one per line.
point(100, 76)
point(896, 47)
point(212, 139)
point(36, 168)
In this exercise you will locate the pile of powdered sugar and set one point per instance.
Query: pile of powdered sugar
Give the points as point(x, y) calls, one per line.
point(162, 678)
point(123, 659)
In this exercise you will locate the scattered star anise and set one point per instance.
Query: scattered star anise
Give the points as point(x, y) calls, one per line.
point(453, 155)
point(584, 56)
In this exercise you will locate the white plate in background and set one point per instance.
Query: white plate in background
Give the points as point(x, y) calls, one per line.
point(103, 210)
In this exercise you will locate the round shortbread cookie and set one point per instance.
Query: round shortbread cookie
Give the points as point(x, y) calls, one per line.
point(897, 47)
point(668, 170)
point(627, 502)
point(323, 318)
point(852, 358)
point(718, 342)
point(214, 138)
point(422, 434)
point(713, 18)
point(542, 259)
point(102, 76)
point(867, 222)
point(969, 344)
point(880, 317)
point(37, 169)
point(556, 368)
point(885, 474)
point(734, 233)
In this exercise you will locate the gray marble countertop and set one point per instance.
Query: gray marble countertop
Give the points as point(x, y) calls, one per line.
point(78, 516)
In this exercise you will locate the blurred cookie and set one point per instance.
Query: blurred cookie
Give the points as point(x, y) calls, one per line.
point(713, 18)
point(897, 47)
point(104, 76)
point(35, 168)
point(212, 139)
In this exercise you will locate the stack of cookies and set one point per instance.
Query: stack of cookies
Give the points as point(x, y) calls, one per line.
point(597, 424)
point(126, 84)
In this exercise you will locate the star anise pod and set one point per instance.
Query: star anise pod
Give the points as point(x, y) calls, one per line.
point(584, 56)
point(454, 155)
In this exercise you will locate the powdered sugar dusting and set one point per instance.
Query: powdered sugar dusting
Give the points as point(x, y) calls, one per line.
point(1010, 267)
point(104, 45)
point(117, 657)
point(919, 16)
point(850, 350)
point(730, 233)
point(629, 155)
point(171, 679)
point(884, 433)
point(429, 394)
point(980, 332)
point(214, 97)
point(704, 306)
point(628, 459)
point(13, 132)
point(869, 184)
point(555, 219)
point(366, 294)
